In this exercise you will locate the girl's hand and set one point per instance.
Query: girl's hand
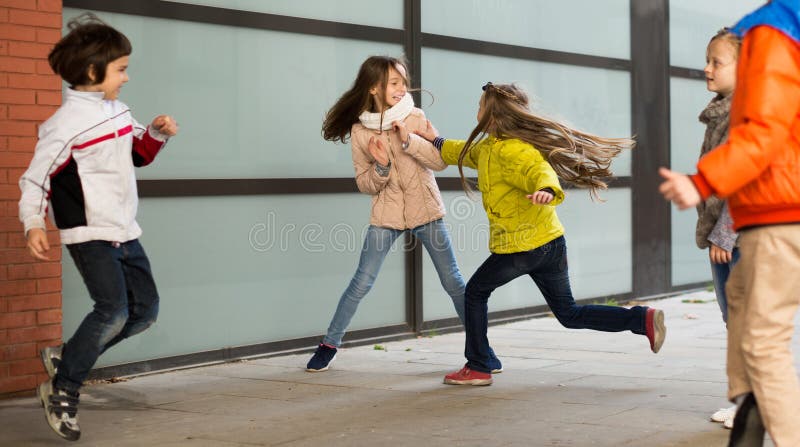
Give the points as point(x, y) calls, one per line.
point(400, 127)
point(679, 189)
point(378, 151)
point(540, 198)
point(165, 124)
point(719, 255)
point(37, 243)
point(430, 133)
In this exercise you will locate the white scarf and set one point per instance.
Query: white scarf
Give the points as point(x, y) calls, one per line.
point(397, 112)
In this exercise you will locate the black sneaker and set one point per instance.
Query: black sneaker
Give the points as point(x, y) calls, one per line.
point(60, 410)
point(51, 357)
point(323, 356)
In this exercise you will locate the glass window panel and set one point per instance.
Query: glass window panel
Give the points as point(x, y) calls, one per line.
point(536, 23)
point(688, 98)
point(689, 264)
point(692, 23)
point(594, 100)
point(599, 266)
point(362, 12)
point(250, 103)
point(246, 270)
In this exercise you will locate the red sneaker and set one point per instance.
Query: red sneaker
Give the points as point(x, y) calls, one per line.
point(466, 376)
point(656, 331)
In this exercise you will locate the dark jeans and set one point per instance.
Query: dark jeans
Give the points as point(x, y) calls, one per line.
point(121, 285)
point(547, 265)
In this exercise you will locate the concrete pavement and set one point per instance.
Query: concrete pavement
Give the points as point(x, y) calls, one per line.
point(560, 388)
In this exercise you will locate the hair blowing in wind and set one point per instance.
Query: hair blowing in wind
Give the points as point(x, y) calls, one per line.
point(577, 157)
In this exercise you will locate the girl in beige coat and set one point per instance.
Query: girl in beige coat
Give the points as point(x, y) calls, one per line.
point(395, 167)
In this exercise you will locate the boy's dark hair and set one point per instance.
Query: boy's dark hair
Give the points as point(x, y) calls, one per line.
point(90, 44)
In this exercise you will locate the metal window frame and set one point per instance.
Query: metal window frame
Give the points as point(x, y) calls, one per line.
point(650, 72)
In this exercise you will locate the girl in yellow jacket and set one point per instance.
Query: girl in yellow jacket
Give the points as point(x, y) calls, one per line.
point(519, 163)
point(395, 167)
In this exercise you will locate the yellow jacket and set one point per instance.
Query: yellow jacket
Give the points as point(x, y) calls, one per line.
point(508, 170)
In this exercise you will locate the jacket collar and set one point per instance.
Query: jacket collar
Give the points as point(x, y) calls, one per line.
point(75, 95)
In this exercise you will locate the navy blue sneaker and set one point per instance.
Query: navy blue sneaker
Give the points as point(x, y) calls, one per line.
point(494, 363)
point(323, 357)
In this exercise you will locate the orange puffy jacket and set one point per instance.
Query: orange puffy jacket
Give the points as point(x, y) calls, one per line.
point(758, 168)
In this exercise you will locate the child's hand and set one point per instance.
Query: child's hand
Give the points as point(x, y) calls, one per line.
point(719, 255)
point(430, 133)
point(540, 197)
point(400, 127)
point(378, 151)
point(679, 189)
point(165, 124)
point(37, 243)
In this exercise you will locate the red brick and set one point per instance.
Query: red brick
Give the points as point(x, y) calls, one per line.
point(22, 144)
point(17, 128)
point(17, 96)
point(51, 316)
point(17, 319)
point(18, 352)
point(16, 239)
point(43, 344)
point(35, 302)
point(49, 5)
point(10, 192)
point(17, 64)
point(49, 98)
point(48, 285)
point(16, 256)
point(16, 384)
point(34, 271)
point(3, 112)
point(19, 4)
point(48, 36)
point(16, 288)
point(3, 76)
point(43, 68)
point(14, 174)
point(3, 370)
point(15, 160)
point(32, 50)
point(25, 367)
point(18, 32)
point(3, 14)
point(26, 334)
point(3, 144)
point(35, 18)
point(33, 113)
point(43, 82)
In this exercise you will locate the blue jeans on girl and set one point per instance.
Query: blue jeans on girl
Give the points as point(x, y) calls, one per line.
point(121, 285)
point(720, 273)
point(547, 266)
point(377, 243)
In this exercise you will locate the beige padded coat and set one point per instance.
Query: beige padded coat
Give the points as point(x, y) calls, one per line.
point(408, 196)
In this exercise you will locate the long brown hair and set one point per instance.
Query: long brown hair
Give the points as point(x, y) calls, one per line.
point(341, 117)
point(577, 157)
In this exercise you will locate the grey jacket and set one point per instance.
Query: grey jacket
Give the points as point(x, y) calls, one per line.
point(714, 223)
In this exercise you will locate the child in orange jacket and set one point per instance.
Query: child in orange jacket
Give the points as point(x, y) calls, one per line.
point(758, 171)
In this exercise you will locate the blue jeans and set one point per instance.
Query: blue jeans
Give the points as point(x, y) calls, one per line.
point(547, 266)
point(121, 285)
point(377, 243)
point(720, 273)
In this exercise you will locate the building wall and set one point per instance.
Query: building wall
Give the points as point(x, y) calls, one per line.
point(252, 221)
point(30, 291)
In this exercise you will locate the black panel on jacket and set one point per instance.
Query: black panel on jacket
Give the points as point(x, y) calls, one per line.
point(66, 196)
point(138, 160)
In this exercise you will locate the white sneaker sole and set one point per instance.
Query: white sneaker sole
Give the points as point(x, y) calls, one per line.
point(473, 382)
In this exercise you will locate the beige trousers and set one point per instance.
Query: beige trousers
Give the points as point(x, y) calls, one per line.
point(763, 296)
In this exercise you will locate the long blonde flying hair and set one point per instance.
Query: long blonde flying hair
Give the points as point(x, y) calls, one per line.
point(577, 157)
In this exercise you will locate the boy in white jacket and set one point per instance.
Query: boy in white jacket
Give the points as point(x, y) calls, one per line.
point(83, 169)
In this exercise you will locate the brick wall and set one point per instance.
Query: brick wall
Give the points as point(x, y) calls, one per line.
point(30, 290)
